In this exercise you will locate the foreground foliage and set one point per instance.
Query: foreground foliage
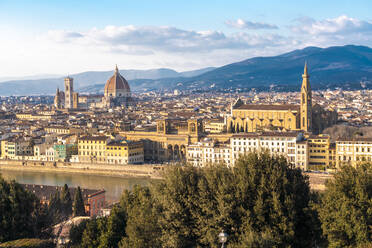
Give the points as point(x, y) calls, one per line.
point(21, 215)
point(346, 208)
point(262, 202)
point(28, 243)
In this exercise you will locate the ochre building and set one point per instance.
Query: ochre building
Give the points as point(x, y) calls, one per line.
point(253, 118)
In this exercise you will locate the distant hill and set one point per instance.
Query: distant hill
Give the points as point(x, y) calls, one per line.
point(88, 80)
point(342, 66)
point(347, 67)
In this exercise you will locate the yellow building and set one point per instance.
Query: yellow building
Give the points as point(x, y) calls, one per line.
point(92, 149)
point(124, 152)
point(8, 149)
point(321, 152)
point(62, 130)
point(252, 118)
point(17, 149)
point(353, 152)
point(215, 126)
point(34, 117)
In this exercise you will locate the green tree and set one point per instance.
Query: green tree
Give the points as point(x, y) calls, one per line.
point(91, 234)
point(78, 204)
point(54, 208)
point(274, 202)
point(142, 229)
point(66, 202)
point(177, 197)
point(261, 202)
point(19, 212)
point(346, 207)
point(76, 234)
point(217, 204)
point(115, 227)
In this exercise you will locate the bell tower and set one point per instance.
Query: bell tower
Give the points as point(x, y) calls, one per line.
point(69, 89)
point(306, 102)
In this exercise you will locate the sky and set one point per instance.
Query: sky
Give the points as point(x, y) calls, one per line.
point(39, 37)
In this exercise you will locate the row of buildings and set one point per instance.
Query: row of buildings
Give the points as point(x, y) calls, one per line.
point(305, 152)
point(73, 147)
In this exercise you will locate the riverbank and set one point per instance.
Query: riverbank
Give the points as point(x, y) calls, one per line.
point(150, 171)
point(141, 171)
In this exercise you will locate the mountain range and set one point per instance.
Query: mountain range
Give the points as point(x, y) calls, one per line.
point(347, 67)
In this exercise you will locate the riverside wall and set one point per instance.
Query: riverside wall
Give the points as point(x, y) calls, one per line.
point(142, 170)
point(153, 171)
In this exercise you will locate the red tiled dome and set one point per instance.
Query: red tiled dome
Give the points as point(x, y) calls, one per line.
point(116, 82)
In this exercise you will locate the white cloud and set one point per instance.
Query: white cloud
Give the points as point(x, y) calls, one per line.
point(144, 47)
point(243, 24)
point(150, 39)
point(63, 36)
point(342, 25)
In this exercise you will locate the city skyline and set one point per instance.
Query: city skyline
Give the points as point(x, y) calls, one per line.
point(69, 37)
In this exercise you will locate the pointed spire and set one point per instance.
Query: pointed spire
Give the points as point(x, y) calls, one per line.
point(116, 69)
point(305, 68)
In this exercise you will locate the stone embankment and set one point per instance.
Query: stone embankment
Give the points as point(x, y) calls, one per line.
point(153, 171)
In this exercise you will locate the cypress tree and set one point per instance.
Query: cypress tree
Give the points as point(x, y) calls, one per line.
point(66, 202)
point(78, 205)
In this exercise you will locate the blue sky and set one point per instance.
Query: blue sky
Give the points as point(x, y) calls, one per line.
point(60, 37)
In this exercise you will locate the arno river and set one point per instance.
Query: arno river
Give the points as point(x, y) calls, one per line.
point(114, 186)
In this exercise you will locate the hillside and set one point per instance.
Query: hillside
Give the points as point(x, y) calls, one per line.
point(347, 67)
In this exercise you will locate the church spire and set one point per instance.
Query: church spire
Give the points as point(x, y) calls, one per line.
point(306, 102)
point(116, 69)
point(305, 69)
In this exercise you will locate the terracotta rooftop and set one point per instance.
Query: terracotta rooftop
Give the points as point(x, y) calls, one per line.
point(116, 82)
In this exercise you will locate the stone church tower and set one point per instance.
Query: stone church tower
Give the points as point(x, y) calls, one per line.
point(69, 89)
point(306, 102)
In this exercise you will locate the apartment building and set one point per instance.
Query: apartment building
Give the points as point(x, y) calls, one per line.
point(124, 152)
point(292, 145)
point(321, 152)
point(92, 149)
point(207, 152)
point(353, 152)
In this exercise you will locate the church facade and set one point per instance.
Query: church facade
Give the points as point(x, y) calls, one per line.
point(253, 118)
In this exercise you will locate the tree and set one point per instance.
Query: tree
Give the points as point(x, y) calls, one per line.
point(142, 228)
point(66, 202)
point(54, 208)
point(273, 202)
point(177, 197)
point(91, 234)
point(78, 204)
point(346, 207)
point(261, 202)
point(76, 233)
point(217, 204)
point(19, 212)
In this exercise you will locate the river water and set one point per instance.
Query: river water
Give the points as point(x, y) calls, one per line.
point(114, 186)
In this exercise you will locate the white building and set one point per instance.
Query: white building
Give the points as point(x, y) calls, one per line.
point(353, 152)
point(289, 144)
point(208, 152)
